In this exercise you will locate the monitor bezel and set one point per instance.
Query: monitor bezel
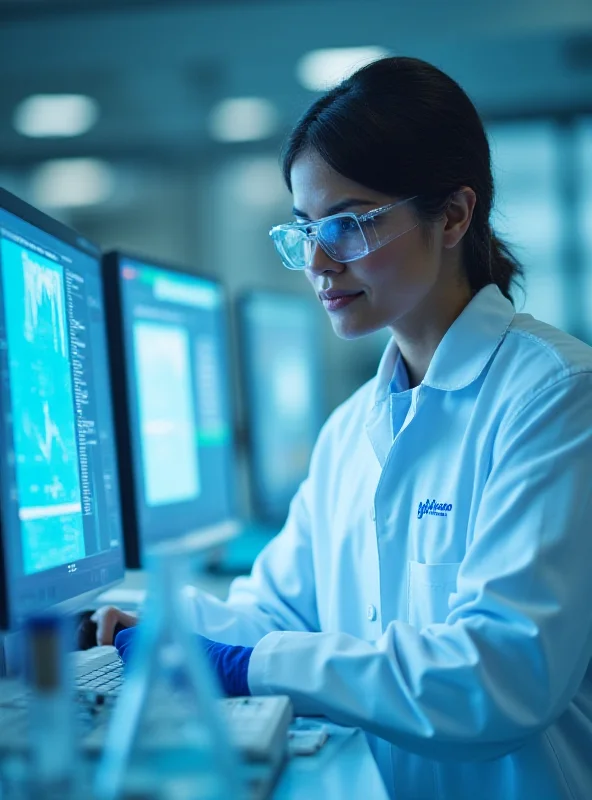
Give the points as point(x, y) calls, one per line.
point(122, 411)
point(38, 219)
point(243, 299)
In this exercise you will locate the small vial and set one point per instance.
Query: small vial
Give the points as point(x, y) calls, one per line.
point(53, 753)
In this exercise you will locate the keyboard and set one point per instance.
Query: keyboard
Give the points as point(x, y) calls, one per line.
point(94, 664)
point(99, 670)
point(258, 726)
point(105, 680)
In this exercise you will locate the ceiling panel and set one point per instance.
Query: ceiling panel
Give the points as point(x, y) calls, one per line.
point(157, 69)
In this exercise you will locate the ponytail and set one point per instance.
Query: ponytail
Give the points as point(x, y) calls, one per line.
point(505, 267)
point(488, 259)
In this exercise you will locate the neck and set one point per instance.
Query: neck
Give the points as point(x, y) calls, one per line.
point(419, 333)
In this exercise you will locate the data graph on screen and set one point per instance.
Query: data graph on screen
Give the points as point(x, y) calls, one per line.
point(47, 436)
point(45, 441)
point(44, 302)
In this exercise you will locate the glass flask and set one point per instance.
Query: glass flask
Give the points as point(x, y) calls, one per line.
point(167, 737)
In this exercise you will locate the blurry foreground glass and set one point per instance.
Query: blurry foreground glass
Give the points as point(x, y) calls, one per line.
point(53, 759)
point(166, 738)
point(344, 237)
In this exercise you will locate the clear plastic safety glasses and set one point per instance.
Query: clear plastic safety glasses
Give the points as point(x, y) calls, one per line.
point(344, 237)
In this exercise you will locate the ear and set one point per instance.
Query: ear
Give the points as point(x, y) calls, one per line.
point(458, 216)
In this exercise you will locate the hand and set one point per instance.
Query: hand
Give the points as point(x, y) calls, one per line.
point(107, 619)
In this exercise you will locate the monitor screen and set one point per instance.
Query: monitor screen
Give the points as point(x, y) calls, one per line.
point(281, 354)
point(169, 340)
point(60, 511)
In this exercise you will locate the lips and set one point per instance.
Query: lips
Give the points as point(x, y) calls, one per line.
point(333, 299)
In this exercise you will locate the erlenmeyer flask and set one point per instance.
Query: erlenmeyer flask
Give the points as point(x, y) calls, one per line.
point(167, 737)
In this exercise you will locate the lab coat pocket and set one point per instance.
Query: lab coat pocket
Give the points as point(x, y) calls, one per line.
point(428, 590)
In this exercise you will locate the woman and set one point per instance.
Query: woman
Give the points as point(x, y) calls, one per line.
point(432, 582)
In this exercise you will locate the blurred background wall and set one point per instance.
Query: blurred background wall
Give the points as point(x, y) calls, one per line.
point(171, 147)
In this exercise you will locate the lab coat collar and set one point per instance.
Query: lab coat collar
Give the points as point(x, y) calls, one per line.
point(466, 348)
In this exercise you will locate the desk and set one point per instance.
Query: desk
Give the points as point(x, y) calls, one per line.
point(343, 769)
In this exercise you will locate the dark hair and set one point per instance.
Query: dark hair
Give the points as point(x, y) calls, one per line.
point(402, 127)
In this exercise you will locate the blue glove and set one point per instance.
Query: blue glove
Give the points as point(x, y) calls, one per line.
point(231, 665)
point(229, 662)
point(123, 642)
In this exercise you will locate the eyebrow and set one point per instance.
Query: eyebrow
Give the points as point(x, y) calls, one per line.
point(338, 207)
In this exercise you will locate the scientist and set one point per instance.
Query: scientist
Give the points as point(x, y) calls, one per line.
point(433, 582)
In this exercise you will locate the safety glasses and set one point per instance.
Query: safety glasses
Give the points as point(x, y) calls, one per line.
point(344, 237)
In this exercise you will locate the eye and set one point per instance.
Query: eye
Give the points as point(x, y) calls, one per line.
point(338, 227)
point(348, 224)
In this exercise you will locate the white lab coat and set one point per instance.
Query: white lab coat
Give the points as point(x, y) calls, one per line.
point(433, 582)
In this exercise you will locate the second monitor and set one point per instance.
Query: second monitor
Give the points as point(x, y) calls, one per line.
point(172, 402)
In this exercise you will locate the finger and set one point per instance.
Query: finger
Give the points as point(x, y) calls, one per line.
point(127, 620)
point(100, 612)
point(113, 620)
point(106, 622)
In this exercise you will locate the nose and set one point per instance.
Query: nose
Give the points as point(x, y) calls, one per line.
point(321, 262)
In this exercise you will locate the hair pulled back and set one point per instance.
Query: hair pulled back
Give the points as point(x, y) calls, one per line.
point(402, 127)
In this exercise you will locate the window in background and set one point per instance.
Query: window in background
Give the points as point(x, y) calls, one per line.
point(584, 217)
point(528, 214)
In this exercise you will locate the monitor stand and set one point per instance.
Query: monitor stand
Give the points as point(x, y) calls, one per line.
point(128, 595)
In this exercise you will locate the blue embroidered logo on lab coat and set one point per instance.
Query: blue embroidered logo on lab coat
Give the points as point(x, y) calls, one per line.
point(433, 508)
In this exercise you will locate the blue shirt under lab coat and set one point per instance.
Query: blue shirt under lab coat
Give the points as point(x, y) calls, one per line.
point(433, 582)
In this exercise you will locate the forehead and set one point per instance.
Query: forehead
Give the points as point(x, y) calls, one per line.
point(316, 186)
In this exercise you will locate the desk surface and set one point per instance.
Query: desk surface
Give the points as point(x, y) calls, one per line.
point(343, 768)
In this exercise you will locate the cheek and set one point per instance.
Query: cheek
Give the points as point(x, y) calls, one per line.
point(404, 262)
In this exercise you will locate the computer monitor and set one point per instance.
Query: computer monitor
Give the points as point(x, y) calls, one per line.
point(169, 357)
point(60, 517)
point(281, 348)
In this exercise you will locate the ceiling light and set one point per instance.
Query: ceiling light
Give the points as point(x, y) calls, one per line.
point(243, 119)
point(72, 182)
point(258, 182)
point(321, 70)
point(55, 115)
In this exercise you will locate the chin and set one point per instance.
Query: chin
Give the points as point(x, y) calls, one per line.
point(354, 329)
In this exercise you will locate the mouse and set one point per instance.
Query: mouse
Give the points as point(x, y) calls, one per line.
point(86, 631)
